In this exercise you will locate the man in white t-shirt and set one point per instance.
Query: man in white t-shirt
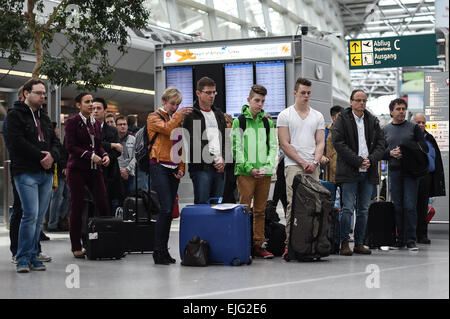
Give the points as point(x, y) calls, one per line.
point(301, 132)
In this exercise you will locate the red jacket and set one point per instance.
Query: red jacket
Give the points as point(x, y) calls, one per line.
point(78, 143)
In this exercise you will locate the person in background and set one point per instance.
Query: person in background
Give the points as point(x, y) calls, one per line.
point(330, 156)
point(230, 189)
point(359, 143)
point(111, 144)
point(60, 201)
point(110, 119)
point(166, 166)
point(131, 122)
point(127, 160)
point(33, 148)
point(84, 167)
point(403, 186)
point(255, 160)
point(432, 184)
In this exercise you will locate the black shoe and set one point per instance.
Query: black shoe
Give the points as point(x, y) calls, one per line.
point(424, 240)
point(169, 258)
point(412, 246)
point(44, 237)
point(159, 258)
point(397, 245)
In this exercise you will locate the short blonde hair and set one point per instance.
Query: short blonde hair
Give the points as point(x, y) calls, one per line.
point(170, 93)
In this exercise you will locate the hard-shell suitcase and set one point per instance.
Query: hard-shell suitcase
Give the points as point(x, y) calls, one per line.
point(227, 231)
point(101, 236)
point(104, 238)
point(380, 229)
point(311, 206)
point(139, 233)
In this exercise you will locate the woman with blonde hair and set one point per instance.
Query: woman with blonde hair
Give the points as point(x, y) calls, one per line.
point(166, 167)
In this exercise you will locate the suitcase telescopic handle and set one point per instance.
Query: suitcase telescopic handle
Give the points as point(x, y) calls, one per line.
point(218, 199)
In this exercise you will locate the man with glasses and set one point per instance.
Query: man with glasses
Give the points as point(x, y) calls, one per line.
point(33, 148)
point(301, 132)
point(206, 129)
point(359, 143)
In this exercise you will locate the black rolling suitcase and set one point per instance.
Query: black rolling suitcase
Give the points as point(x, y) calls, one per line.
point(139, 223)
point(381, 220)
point(102, 236)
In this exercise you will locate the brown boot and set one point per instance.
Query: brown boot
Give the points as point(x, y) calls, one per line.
point(360, 249)
point(345, 249)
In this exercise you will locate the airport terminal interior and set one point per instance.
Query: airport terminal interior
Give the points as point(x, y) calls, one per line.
point(387, 48)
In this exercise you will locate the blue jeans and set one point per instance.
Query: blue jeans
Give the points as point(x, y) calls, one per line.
point(165, 184)
point(129, 185)
point(404, 196)
point(207, 184)
point(59, 204)
point(356, 195)
point(35, 190)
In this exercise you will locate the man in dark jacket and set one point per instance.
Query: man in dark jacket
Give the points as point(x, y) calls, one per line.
point(431, 185)
point(206, 127)
point(359, 143)
point(111, 144)
point(33, 148)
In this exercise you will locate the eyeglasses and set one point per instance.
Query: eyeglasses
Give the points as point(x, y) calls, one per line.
point(360, 100)
point(209, 92)
point(39, 93)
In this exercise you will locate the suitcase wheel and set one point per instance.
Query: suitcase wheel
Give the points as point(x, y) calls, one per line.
point(235, 262)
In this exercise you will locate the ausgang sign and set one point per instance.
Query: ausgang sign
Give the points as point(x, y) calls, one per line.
point(391, 52)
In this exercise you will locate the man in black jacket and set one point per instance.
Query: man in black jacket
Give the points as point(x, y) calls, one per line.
point(206, 127)
point(432, 184)
point(111, 144)
point(359, 143)
point(33, 148)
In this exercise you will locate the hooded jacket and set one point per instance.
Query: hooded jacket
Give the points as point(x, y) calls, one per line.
point(23, 142)
point(345, 141)
point(250, 152)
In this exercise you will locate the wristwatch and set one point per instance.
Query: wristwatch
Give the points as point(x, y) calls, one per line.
point(316, 163)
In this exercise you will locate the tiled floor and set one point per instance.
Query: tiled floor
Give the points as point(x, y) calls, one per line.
point(384, 274)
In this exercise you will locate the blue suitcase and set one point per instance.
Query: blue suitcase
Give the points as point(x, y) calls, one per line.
point(228, 232)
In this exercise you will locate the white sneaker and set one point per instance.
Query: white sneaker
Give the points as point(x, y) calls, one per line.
point(13, 260)
point(43, 258)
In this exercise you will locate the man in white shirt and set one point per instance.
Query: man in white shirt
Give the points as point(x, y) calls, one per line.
point(301, 132)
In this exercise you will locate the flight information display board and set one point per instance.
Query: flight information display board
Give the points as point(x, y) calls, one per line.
point(238, 81)
point(271, 75)
point(181, 78)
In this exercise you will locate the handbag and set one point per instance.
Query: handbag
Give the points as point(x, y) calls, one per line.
point(196, 253)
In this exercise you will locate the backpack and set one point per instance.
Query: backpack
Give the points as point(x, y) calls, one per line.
point(143, 147)
point(243, 126)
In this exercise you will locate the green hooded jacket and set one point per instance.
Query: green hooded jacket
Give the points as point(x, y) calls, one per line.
point(251, 151)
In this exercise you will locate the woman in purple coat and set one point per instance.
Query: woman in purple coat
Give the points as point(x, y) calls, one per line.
point(86, 157)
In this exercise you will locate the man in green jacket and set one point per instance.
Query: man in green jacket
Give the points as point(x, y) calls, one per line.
point(254, 150)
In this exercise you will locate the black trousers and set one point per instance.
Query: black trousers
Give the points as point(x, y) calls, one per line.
point(423, 197)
